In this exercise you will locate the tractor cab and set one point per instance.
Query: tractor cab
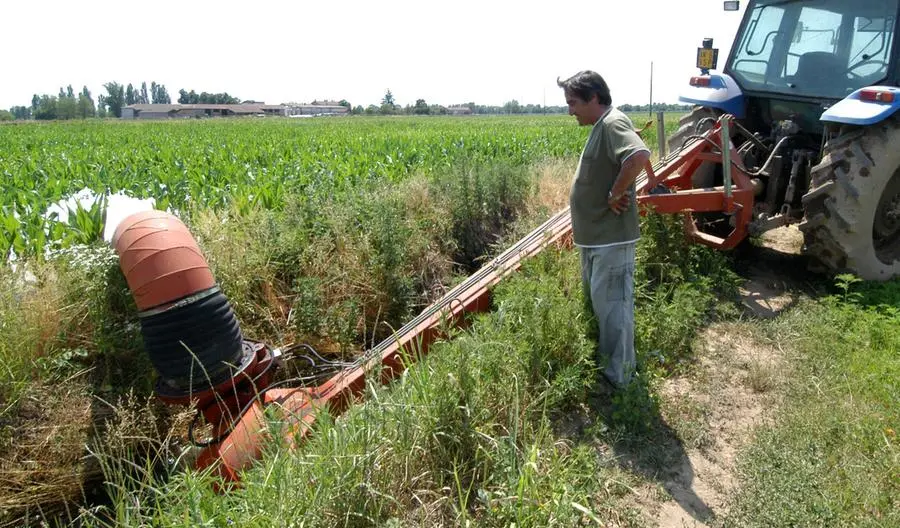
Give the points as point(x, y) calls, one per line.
point(796, 58)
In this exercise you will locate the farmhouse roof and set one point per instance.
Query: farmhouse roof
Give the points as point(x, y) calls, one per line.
point(237, 108)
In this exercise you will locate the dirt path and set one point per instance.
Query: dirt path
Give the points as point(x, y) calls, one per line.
point(715, 409)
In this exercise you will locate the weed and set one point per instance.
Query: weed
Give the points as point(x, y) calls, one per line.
point(761, 377)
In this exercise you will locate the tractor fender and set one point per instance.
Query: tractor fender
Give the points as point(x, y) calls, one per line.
point(722, 93)
point(852, 110)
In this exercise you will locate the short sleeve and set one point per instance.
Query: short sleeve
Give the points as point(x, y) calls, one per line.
point(622, 140)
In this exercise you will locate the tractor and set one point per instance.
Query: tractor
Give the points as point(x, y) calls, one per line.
point(807, 102)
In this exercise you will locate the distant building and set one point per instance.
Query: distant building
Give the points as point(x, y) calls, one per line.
point(314, 109)
point(459, 110)
point(169, 111)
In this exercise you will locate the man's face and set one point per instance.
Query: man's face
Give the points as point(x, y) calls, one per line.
point(586, 112)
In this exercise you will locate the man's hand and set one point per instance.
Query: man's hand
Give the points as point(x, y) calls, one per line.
point(618, 204)
point(619, 198)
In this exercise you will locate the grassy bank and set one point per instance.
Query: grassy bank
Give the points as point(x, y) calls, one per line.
point(335, 269)
point(833, 456)
point(471, 435)
point(337, 272)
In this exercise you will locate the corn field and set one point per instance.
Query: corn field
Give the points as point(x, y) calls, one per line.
point(243, 164)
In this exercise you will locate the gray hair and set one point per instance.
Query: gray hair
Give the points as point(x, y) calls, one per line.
point(586, 84)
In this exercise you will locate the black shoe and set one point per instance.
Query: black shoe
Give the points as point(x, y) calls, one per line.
point(603, 387)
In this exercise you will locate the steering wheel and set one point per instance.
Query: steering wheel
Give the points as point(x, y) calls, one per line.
point(849, 71)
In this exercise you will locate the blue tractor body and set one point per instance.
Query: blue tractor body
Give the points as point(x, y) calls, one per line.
point(721, 92)
point(813, 87)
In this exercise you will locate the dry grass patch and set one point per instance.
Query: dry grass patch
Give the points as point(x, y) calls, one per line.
point(43, 463)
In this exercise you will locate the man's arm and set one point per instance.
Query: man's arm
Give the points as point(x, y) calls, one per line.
point(631, 167)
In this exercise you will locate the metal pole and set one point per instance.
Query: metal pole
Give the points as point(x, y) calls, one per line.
point(725, 138)
point(661, 133)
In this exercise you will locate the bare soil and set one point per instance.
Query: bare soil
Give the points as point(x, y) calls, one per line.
point(732, 388)
point(715, 409)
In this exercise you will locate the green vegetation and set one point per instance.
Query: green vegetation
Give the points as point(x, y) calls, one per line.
point(467, 436)
point(336, 260)
point(245, 164)
point(331, 232)
point(833, 456)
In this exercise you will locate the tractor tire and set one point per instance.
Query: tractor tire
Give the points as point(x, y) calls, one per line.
point(696, 122)
point(852, 209)
point(688, 125)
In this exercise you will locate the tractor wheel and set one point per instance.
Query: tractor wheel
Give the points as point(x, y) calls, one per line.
point(852, 221)
point(698, 121)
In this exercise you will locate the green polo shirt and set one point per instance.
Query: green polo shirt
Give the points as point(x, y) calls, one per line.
point(612, 141)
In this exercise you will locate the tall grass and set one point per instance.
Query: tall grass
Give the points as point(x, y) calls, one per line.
point(465, 437)
point(680, 287)
point(339, 272)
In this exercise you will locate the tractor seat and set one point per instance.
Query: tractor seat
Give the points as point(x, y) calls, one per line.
point(819, 69)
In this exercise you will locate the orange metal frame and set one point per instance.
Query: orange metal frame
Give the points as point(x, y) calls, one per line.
point(675, 175)
point(243, 438)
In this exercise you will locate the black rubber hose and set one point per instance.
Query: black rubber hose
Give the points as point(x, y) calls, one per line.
point(195, 346)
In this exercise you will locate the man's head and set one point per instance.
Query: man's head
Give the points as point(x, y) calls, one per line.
point(587, 95)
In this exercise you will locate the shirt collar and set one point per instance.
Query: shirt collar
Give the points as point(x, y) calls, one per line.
point(608, 109)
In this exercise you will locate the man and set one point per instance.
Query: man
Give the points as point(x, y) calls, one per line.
point(605, 218)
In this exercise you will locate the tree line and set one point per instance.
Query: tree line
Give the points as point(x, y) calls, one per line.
point(656, 107)
point(69, 105)
point(389, 107)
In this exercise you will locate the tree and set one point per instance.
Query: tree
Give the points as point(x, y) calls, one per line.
point(6, 115)
point(344, 102)
point(115, 98)
point(388, 99)
point(69, 92)
point(46, 108)
point(206, 98)
point(21, 112)
point(512, 107)
point(421, 107)
point(159, 94)
point(129, 95)
point(101, 106)
point(84, 106)
point(35, 101)
point(144, 99)
point(358, 110)
point(66, 108)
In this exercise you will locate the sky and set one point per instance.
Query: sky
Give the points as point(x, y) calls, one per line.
point(488, 51)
